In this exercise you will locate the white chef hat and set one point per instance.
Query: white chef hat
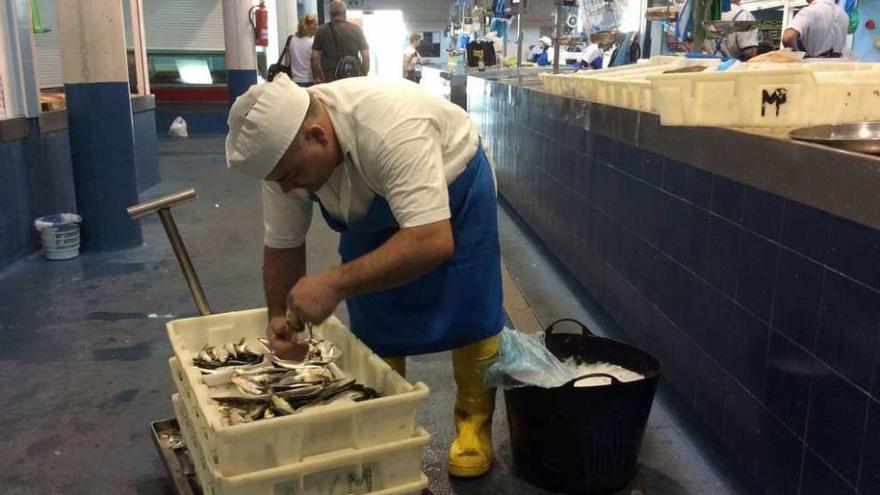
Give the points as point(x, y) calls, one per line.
point(547, 41)
point(262, 124)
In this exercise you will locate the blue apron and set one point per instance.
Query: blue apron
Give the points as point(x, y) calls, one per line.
point(457, 303)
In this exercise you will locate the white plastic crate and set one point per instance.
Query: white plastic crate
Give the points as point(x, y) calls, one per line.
point(279, 441)
point(625, 86)
point(780, 95)
point(390, 469)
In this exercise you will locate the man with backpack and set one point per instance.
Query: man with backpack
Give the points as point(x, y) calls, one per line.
point(340, 49)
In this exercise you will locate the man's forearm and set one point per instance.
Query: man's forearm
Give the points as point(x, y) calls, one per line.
point(282, 268)
point(317, 72)
point(403, 258)
point(365, 60)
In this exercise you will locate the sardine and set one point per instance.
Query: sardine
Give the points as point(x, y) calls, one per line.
point(229, 347)
point(281, 406)
point(247, 387)
point(257, 412)
point(221, 355)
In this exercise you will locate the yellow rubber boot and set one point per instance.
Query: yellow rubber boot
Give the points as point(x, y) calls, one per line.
point(470, 454)
point(398, 364)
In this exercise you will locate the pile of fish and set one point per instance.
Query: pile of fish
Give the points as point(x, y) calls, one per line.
point(231, 354)
point(265, 386)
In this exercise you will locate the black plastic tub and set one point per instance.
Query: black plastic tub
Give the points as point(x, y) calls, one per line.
point(586, 440)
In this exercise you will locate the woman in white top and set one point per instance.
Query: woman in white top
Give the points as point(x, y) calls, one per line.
point(300, 50)
point(411, 58)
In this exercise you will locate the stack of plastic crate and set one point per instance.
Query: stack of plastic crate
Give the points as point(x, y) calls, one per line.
point(371, 447)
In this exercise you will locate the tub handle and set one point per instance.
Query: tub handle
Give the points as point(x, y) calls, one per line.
point(584, 330)
point(614, 380)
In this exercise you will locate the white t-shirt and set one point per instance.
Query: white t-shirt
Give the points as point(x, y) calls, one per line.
point(591, 53)
point(300, 52)
point(735, 43)
point(822, 26)
point(400, 142)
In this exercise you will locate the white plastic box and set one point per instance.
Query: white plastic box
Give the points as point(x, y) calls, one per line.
point(265, 444)
point(391, 469)
point(765, 95)
point(625, 86)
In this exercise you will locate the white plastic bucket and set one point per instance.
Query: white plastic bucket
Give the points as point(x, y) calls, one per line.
point(60, 235)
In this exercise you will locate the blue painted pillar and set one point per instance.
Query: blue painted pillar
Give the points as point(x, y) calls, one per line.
point(241, 58)
point(99, 119)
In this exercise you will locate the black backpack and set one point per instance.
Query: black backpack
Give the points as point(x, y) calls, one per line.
point(279, 67)
point(348, 66)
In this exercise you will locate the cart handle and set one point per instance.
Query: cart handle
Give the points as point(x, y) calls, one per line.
point(169, 201)
point(162, 206)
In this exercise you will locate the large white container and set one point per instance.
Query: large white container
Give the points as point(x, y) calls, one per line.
point(265, 444)
point(778, 95)
point(626, 86)
point(391, 469)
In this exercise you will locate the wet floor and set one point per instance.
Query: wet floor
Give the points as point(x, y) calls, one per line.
point(84, 354)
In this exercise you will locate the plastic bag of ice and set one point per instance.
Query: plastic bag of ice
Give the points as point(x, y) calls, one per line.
point(523, 360)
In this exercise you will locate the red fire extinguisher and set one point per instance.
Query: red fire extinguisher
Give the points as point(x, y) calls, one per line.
point(259, 15)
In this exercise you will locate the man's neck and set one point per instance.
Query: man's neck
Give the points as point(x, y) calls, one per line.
point(337, 19)
point(327, 123)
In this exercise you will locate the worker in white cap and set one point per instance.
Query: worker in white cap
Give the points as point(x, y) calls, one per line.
point(819, 29)
point(741, 45)
point(544, 55)
point(401, 174)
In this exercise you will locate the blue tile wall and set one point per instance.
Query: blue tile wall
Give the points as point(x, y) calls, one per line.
point(756, 273)
point(869, 481)
point(15, 236)
point(818, 478)
point(836, 424)
point(849, 322)
point(780, 456)
point(787, 386)
point(765, 312)
point(146, 143)
point(796, 303)
point(36, 179)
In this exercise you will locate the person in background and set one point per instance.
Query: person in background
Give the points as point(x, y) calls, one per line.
point(411, 58)
point(340, 49)
point(742, 45)
point(533, 52)
point(592, 57)
point(300, 50)
point(819, 29)
point(544, 57)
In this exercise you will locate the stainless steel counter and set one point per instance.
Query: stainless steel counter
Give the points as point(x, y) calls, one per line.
point(451, 82)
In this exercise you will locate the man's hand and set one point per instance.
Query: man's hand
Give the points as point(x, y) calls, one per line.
point(285, 342)
point(315, 297)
